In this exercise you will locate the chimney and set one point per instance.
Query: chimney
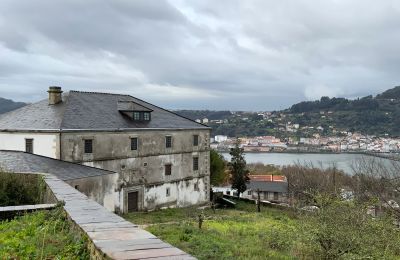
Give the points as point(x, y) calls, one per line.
point(55, 96)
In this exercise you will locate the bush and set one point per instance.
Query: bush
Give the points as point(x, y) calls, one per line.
point(20, 189)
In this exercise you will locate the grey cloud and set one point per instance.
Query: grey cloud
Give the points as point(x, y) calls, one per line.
point(249, 55)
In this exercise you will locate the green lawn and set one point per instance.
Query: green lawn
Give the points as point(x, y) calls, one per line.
point(239, 233)
point(41, 235)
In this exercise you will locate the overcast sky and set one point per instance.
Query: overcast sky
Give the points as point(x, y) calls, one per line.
point(239, 55)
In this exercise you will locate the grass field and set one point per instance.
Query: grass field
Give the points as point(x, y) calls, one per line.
point(41, 235)
point(239, 233)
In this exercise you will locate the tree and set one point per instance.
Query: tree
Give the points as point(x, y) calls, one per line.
point(217, 168)
point(239, 172)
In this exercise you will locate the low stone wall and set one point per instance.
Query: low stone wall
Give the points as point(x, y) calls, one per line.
point(109, 236)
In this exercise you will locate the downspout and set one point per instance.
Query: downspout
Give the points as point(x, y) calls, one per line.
point(59, 140)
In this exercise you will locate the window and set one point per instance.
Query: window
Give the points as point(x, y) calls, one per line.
point(195, 140)
point(136, 116)
point(276, 196)
point(88, 146)
point(168, 141)
point(168, 192)
point(29, 145)
point(228, 192)
point(146, 116)
point(168, 169)
point(196, 187)
point(134, 143)
point(249, 192)
point(195, 163)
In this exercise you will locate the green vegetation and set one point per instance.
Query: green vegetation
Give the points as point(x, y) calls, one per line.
point(238, 169)
point(340, 230)
point(20, 189)
point(218, 174)
point(378, 115)
point(41, 235)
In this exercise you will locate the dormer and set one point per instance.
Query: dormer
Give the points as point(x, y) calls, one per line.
point(135, 111)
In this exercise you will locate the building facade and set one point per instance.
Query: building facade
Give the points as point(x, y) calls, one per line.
point(162, 159)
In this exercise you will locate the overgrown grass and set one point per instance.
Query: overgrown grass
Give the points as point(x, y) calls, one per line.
point(239, 233)
point(340, 230)
point(41, 235)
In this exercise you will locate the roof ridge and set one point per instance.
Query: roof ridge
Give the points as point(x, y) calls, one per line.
point(102, 93)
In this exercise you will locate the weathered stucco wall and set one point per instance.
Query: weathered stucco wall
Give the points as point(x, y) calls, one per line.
point(46, 144)
point(102, 189)
point(116, 145)
point(181, 194)
point(144, 170)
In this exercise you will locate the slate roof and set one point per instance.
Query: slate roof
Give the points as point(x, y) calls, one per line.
point(90, 111)
point(22, 162)
point(265, 183)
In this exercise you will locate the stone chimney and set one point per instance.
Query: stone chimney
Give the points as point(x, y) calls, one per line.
point(55, 96)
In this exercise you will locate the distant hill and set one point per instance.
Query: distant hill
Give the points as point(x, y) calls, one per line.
point(200, 114)
point(375, 115)
point(393, 93)
point(8, 105)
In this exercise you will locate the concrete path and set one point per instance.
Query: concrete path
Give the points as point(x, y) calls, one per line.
point(27, 207)
point(111, 234)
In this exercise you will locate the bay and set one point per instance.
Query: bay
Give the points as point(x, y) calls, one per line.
point(342, 161)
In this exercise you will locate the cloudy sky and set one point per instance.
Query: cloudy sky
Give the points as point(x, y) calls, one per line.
point(225, 54)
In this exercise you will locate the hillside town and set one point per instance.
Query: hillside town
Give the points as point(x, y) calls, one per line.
point(351, 142)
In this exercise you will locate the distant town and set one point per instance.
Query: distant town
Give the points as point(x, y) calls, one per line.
point(352, 142)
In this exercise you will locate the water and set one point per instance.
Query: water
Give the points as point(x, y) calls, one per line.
point(341, 161)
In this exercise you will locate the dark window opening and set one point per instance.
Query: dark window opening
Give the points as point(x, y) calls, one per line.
point(88, 146)
point(195, 140)
point(168, 169)
point(195, 163)
point(29, 145)
point(196, 187)
point(168, 141)
point(228, 192)
point(168, 192)
point(249, 192)
point(134, 143)
point(276, 195)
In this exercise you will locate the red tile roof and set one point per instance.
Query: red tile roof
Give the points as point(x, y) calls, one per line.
point(267, 178)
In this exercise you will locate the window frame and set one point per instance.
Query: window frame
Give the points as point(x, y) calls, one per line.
point(195, 164)
point(88, 149)
point(134, 143)
point(196, 140)
point(136, 113)
point(146, 116)
point(168, 169)
point(168, 192)
point(168, 141)
point(29, 145)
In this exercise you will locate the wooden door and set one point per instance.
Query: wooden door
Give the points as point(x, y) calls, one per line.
point(133, 200)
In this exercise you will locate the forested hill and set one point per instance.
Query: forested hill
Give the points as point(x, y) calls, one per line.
point(8, 105)
point(387, 101)
point(370, 115)
point(376, 115)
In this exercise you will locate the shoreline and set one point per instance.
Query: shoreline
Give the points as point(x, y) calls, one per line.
point(389, 156)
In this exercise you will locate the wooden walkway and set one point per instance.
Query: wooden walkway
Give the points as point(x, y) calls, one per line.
point(112, 235)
